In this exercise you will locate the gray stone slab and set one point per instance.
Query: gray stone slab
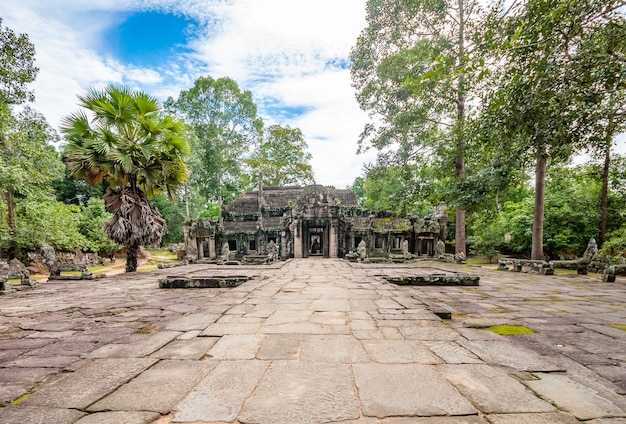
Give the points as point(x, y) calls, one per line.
point(429, 333)
point(22, 415)
point(89, 383)
point(280, 347)
point(117, 417)
point(406, 389)
point(12, 391)
point(287, 317)
point(510, 355)
point(303, 393)
point(236, 346)
point(452, 352)
point(582, 401)
point(42, 361)
point(141, 345)
point(555, 418)
point(158, 389)
point(330, 305)
point(221, 395)
point(399, 352)
point(219, 330)
point(192, 322)
point(25, 375)
point(195, 348)
point(343, 349)
point(436, 420)
point(296, 328)
point(492, 391)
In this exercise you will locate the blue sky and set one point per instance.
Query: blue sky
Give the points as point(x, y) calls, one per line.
point(291, 54)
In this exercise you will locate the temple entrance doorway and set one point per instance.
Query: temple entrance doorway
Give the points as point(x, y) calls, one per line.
point(316, 242)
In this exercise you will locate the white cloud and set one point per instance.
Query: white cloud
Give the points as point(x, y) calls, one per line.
point(278, 49)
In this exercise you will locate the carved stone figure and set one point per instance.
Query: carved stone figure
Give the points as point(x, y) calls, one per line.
point(225, 252)
point(459, 257)
point(405, 247)
point(440, 248)
point(592, 250)
point(361, 250)
point(271, 251)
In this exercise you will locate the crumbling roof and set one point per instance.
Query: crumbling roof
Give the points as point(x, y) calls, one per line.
point(391, 225)
point(284, 197)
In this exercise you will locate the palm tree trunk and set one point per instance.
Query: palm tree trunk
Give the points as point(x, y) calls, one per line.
point(131, 258)
point(540, 188)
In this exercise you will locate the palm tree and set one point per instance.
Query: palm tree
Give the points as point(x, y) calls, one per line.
point(138, 150)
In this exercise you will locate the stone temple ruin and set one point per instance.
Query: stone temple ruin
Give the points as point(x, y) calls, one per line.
point(301, 222)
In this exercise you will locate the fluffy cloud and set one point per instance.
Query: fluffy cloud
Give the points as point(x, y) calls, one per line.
point(292, 55)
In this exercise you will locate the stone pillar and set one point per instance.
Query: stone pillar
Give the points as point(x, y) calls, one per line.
point(212, 251)
point(200, 248)
point(332, 241)
point(297, 240)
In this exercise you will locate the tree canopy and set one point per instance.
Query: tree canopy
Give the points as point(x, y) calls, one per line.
point(281, 157)
point(138, 150)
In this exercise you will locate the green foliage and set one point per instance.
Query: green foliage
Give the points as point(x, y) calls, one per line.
point(571, 216)
point(174, 214)
point(225, 124)
point(212, 210)
point(93, 217)
point(614, 248)
point(28, 161)
point(132, 145)
point(281, 159)
point(17, 67)
point(77, 192)
point(48, 220)
point(127, 141)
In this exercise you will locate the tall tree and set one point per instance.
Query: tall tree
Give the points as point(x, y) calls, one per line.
point(281, 158)
point(129, 142)
point(28, 162)
point(226, 127)
point(17, 67)
point(415, 68)
point(543, 104)
point(17, 70)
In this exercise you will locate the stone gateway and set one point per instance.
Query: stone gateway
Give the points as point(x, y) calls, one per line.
point(310, 221)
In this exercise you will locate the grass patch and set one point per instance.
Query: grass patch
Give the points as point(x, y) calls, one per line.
point(620, 326)
point(14, 281)
point(510, 330)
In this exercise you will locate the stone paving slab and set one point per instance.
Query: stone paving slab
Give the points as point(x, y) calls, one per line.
point(35, 415)
point(406, 389)
point(90, 383)
point(158, 389)
point(315, 341)
point(574, 397)
point(492, 391)
point(221, 395)
point(303, 393)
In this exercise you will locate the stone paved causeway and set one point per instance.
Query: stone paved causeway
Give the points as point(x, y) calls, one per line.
point(315, 341)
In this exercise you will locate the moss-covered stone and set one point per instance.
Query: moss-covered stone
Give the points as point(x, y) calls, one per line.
point(510, 330)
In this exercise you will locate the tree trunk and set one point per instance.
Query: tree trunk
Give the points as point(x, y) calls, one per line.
point(11, 223)
point(540, 188)
point(604, 197)
point(131, 258)
point(220, 200)
point(460, 241)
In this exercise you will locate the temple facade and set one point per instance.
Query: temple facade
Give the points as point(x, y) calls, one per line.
point(309, 221)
